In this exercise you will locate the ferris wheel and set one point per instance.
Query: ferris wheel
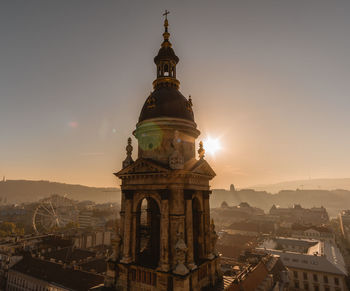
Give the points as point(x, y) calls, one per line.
point(53, 213)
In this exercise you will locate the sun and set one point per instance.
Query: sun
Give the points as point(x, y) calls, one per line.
point(211, 145)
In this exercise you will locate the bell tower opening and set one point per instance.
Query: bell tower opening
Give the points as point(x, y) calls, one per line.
point(166, 70)
point(148, 233)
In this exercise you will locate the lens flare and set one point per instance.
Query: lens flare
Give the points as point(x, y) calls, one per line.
point(73, 124)
point(211, 145)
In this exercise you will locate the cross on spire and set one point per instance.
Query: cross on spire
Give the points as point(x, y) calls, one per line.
point(166, 14)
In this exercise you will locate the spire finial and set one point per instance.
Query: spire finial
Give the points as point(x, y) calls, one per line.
point(129, 147)
point(166, 12)
point(201, 151)
point(166, 61)
point(166, 34)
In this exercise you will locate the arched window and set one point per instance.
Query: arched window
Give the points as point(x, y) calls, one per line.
point(198, 238)
point(148, 233)
point(166, 70)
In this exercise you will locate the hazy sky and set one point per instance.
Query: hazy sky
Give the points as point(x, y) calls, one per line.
point(270, 78)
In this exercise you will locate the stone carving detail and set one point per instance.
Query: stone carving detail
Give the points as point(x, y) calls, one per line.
point(201, 151)
point(189, 104)
point(213, 240)
point(176, 159)
point(181, 251)
point(128, 160)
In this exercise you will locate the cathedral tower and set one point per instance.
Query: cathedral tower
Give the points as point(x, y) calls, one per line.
point(165, 240)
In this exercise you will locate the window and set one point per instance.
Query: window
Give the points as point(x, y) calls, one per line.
point(166, 70)
point(316, 288)
point(327, 289)
point(306, 286)
point(305, 276)
point(296, 284)
point(295, 274)
point(336, 281)
point(325, 279)
point(315, 277)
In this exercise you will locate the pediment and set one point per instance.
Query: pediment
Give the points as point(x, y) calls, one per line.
point(203, 168)
point(142, 166)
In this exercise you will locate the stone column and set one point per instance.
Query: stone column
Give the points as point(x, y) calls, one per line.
point(189, 230)
point(133, 236)
point(201, 237)
point(122, 216)
point(177, 220)
point(127, 228)
point(164, 233)
point(206, 212)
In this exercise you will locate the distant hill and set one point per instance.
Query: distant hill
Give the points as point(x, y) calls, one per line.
point(334, 201)
point(310, 184)
point(17, 191)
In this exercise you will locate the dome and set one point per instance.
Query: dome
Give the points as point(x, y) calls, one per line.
point(166, 53)
point(166, 102)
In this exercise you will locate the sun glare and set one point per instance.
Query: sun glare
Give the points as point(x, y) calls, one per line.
point(212, 145)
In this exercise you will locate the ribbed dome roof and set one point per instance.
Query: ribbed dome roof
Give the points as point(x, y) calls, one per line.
point(166, 102)
point(166, 53)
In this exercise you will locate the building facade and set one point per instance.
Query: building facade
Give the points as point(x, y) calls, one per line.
point(166, 240)
point(298, 214)
point(312, 265)
point(313, 232)
point(344, 223)
point(305, 279)
point(90, 239)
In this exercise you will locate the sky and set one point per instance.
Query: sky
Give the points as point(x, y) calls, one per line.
point(269, 79)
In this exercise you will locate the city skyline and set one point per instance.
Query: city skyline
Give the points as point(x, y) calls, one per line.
point(269, 80)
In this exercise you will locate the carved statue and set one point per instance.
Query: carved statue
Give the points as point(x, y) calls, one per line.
point(201, 151)
point(128, 160)
point(176, 159)
point(181, 251)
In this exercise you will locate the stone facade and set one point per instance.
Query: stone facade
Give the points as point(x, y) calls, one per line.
point(166, 240)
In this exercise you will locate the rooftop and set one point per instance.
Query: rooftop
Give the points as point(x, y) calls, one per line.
point(320, 256)
point(57, 274)
point(70, 254)
point(99, 266)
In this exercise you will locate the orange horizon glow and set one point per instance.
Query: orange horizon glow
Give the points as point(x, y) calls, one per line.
point(271, 90)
